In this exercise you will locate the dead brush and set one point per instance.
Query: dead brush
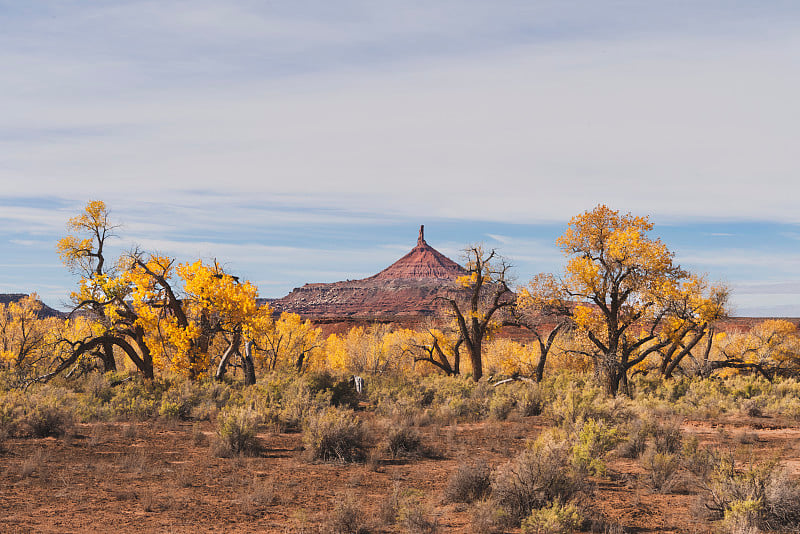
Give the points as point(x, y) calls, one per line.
point(137, 461)
point(667, 437)
point(348, 517)
point(35, 464)
point(257, 496)
point(636, 443)
point(470, 482)
point(661, 470)
point(414, 517)
point(404, 442)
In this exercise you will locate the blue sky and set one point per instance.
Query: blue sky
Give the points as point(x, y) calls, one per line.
point(306, 141)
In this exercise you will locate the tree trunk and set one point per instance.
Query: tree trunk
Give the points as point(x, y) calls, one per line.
point(249, 367)
point(476, 361)
point(107, 355)
point(226, 356)
point(608, 374)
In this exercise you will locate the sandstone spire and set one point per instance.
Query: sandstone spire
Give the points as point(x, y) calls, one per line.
point(407, 288)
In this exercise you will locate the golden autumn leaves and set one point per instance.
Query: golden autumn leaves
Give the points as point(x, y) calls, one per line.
point(622, 300)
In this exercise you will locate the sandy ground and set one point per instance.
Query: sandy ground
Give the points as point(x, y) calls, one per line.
point(160, 476)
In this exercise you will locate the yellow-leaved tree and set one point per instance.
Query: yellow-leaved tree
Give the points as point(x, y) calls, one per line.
point(26, 338)
point(631, 299)
point(212, 315)
point(102, 297)
point(486, 292)
point(289, 342)
point(771, 348)
point(134, 305)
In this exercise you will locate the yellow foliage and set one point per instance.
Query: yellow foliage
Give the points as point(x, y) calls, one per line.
point(288, 343)
point(506, 357)
point(376, 349)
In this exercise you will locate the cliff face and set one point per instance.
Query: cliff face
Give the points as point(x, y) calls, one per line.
point(406, 289)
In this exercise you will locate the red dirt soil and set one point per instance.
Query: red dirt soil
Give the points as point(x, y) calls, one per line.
point(161, 477)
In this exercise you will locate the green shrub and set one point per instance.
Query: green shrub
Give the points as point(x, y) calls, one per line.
point(743, 517)
point(334, 435)
point(135, 400)
point(556, 518)
point(236, 429)
point(594, 440)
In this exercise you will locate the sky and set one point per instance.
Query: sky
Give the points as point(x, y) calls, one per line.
point(306, 141)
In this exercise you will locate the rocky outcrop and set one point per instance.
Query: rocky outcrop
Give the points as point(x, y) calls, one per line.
point(409, 288)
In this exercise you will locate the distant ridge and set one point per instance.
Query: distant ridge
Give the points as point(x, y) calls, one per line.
point(407, 289)
point(46, 310)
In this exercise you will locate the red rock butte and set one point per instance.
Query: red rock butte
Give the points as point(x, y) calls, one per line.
point(408, 289)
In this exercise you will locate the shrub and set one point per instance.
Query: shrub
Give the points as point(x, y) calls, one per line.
point(501, 406)
point(743, 517)
point(782, 500)
point(334, 435)
point(731, 491)
point(540, 475)
point(404, 441)
point(594, 440)
point(178, 400)
point(236, 429)
point(698, 460)
point(468, 483)
point(414, 517)
point(134, 400)
point(487, 518)
point(554, 519)
point(667, 438)
point(48, 419)
point(661, 469)
point(297, 402)
point(531, 401)
point(636, 442)
point(752, 408)
point(389, 506)
point(341, 392)
point(348, 517)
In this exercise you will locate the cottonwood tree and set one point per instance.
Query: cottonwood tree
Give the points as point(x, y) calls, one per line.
point(102, 297)
point(289, 342)
point(183, 330)
point(134, 305)
point(25, 337)
point(439, 346)
point(771, 348)
point(486, 292)
point(543, 309)
point(625, 286)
